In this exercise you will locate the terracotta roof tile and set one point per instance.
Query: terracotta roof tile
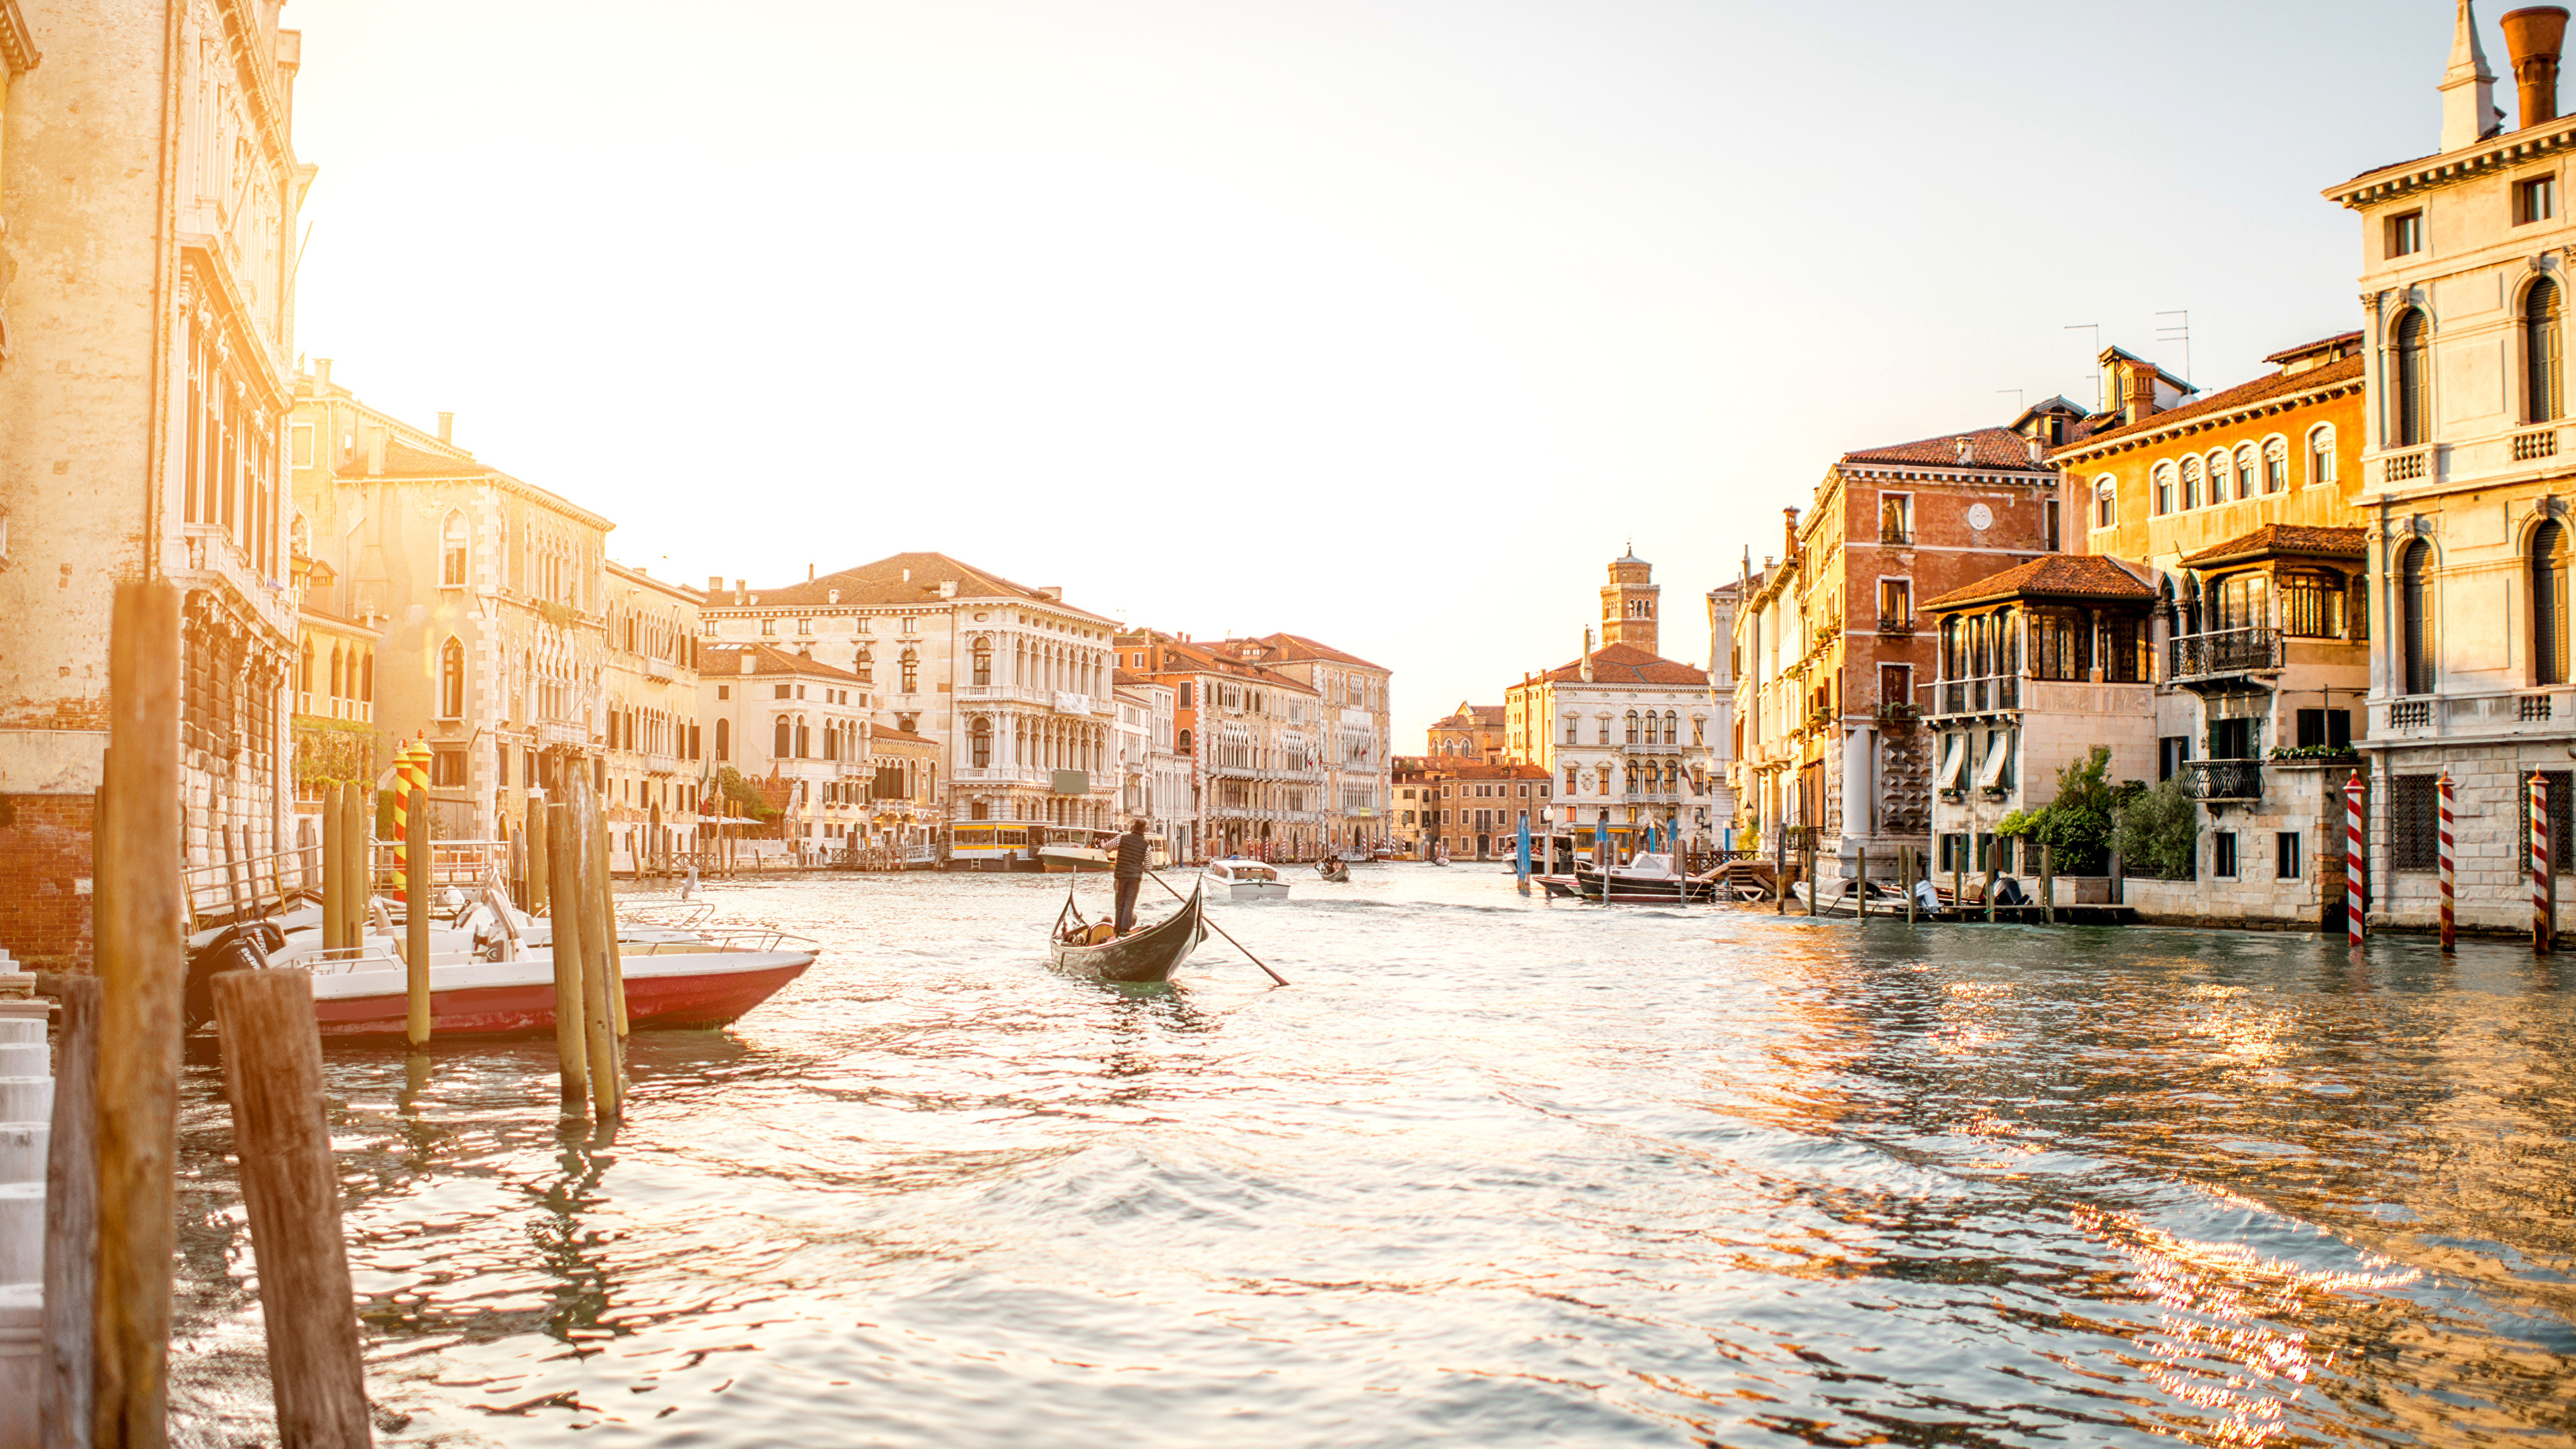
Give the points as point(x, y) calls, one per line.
point(1628, 664)
point(1992, 449)
point(766, 659)
point(2261, 389)
point(1298, 648)
point(2054, 576)
point(884, 584)
point(889, 735)
point(2277, 539)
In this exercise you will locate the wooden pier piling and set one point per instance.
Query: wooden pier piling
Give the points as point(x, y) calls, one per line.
point(599, 1020)
point(272, 1056)
point(1779, 871)
point(1992, 851)
point(141, 958)
point(357, 861)
point(2047, 884)
point(1860, 897)
point(416, 904)
point(564, 877)
point(616, 960)
point(331, 883)
point(1905, 879)
point(64, 1395)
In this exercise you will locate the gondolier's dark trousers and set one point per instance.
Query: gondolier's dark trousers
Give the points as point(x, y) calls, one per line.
point(1128, 885)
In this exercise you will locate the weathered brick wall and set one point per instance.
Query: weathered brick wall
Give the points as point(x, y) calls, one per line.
point(45, 879)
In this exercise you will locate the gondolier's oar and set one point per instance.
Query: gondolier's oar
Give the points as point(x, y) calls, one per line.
point(1220, 930)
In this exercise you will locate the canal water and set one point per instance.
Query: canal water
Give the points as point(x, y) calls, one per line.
point(1491, 1172)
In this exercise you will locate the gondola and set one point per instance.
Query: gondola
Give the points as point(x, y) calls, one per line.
point(1148, 953)
point(1334, 870)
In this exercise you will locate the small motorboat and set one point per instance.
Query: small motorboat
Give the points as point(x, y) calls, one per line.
point(1334, 870)
point(1649, 879)
point(491, 971)
point(1152, 952)
point(1245, 880)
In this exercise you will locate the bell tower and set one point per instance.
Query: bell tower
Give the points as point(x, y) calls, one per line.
point(1628, 604)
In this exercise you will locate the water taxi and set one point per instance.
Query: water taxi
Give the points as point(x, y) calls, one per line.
point(1244, 880)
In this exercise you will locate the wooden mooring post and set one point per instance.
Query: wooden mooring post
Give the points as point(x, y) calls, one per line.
point(590, 901)
point(1905, 879)
point(572, 1056)
point(1860, 884)
point(141, 958)
point(63, 1395)
point(272, 1055)
point(1993, 850)
point(416, 908)
point(332, 883)
point(538, 867)
point(2047, 884)
point(357, 861)
point(1779, 870)
point(616, 959)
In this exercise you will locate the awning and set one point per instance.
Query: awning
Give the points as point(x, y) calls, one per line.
point(1998, 754)
point(1954, 756)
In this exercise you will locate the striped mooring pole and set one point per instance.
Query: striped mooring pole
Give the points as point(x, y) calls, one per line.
point(2450, 870)
point(2354, 861)
point(2542, 927)
point(411, 771)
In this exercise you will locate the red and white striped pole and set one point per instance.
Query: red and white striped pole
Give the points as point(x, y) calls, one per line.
point(2541, 925)
point(2354, 861)
point(2450, 870)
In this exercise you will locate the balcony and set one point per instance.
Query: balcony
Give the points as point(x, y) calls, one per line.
point(2215, 782)
point(2404, 467)
point(2224, 652)
point(1982, 695)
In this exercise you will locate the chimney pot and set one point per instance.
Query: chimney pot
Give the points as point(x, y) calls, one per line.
point(321, 373)
point(447, 427)
point(2533, 36)
point(809, 573)
point(715, 583)
point(2139, 383)
point(740, 584)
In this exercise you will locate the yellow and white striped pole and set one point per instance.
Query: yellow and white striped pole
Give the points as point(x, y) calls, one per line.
point(411, 772)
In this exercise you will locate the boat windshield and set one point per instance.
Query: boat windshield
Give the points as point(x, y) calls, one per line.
point(1255, 872)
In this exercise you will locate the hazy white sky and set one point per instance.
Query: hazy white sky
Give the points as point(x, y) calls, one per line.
point(1388, 323)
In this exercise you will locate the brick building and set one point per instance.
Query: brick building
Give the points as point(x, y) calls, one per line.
point(149, 188)
point(1474, 807)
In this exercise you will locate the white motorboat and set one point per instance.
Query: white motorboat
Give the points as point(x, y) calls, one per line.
point(1245, 880)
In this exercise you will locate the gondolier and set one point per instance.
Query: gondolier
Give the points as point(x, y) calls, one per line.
point(1130, 873)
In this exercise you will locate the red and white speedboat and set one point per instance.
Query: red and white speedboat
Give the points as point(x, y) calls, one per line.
point(491, 973)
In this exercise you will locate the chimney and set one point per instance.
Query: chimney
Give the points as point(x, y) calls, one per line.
point(750, 665)
point(2138, 382)
point(1967, 450)
point(2532, 37)
point(321, 374)
point(740, 584)
point(447, 427)
point(809, 573)
point(715, 584)
point(1587, 654)
point(1789, 530)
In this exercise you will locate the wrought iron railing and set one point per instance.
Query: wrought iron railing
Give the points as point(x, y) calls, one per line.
point(2223, 779)
point(2225, 651)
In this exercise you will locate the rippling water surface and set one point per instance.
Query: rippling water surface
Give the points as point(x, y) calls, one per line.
point(1491, 1172)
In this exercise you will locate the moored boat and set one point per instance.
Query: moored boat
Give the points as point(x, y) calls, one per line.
point(1145, 954)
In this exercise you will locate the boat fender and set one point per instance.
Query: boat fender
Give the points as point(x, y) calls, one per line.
point(235, 948)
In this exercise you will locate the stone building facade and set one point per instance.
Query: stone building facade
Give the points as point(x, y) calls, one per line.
point(1471, 732)
point(491, 594)
point(651, 739)
point(798, 730)
point(1009, 680)
point(150, 189)
point(1477, 807)
point(2465, 486)
point(1254, 738)
point(1354, 730)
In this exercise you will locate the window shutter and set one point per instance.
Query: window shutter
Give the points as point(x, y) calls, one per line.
point(2540, 348)
point(2419, 658)
point(2549, 603)
point(2414, 386)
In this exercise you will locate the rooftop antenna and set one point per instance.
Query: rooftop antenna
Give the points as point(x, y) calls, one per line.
point(2099, 404)
point(2177, 332)
point(2016, 392)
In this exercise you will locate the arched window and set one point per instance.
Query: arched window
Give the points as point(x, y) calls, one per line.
point(2321, 454)
point(2276, 464)
point(338, 672)
point(911, 671)
point(2191, 482)
point(782, 738)
point(831, 741)
point(2164, 489)
point(2415, 591)
point(1632, 726)
point(2246, 486)
point(724, 740)
point(983, 661)
point(2549, 603)
point(451, 679)
point(1182, 742)
point(452, 572)
point(1605, 729)
point(804, 739)
point(1672, 727)
point(979, 752)
point(2220, 477)
point(867, 666)
point(2106, 502)
point(367, 677)
point(2412, 415)
point(2540, 357)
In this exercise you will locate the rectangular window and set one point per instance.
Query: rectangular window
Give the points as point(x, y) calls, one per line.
point(2288, 860)
point(2535, 200)
point(2222, 854)
point(779, 691)
point(2562, 818)
point(2171, 753)
point(1185, 696)
point(2053, 529)
point(2414, 820)
point(501, 767)
point(447, 769)
point(2406, 234)
point(1896, 518)
point(303, 445)
point(724, 691)
point(2331, 728)
point(1896, 603)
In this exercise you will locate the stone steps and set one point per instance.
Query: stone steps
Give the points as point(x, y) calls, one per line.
point(26, 1126)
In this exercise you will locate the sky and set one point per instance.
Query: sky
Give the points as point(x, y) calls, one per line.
point(1386, 323)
